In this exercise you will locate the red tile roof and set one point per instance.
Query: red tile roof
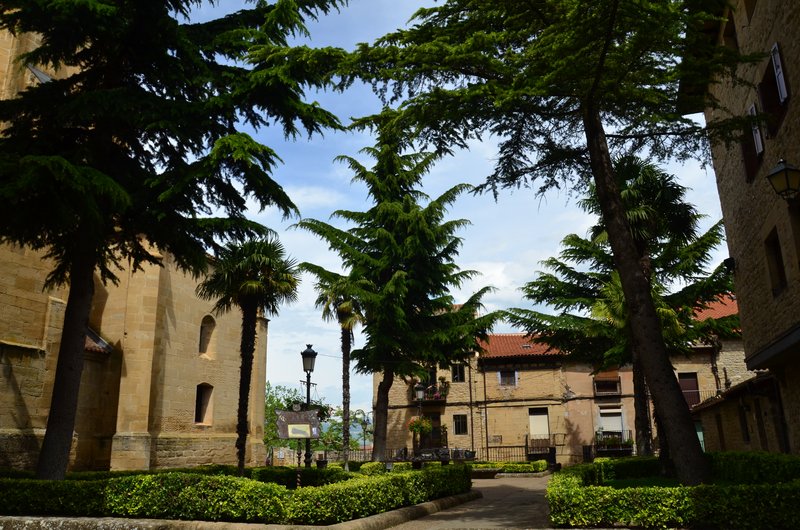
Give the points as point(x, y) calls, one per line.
point(514, 345)
point(724, 307)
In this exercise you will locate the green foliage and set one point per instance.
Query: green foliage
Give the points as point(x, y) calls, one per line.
point(536, 466)
point(754, 467)
point(577, 497)
point(375, 494)
point(217, 496)
point(311, 476)
point(193, 497)
point(372, 468)
point(159, 496)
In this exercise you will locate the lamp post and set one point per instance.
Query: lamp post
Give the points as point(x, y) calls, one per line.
point(785, 180)
point(419, 391)
point(309, 356)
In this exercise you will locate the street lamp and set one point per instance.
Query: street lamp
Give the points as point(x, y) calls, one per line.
point(419, 391)
point(785, 180)
point(309, 356)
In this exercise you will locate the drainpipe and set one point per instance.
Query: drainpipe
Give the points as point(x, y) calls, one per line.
point(485, 412)
point(471, 417)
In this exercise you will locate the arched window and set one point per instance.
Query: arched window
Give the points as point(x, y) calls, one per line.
point(206, 334)
point(203, 406)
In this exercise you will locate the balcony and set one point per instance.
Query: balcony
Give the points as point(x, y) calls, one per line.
point(433, 393)
point(694, 397)
point(613, 443)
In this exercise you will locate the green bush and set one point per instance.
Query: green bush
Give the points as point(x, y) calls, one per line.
point(311, 476)
point(754, 467)
point(159, 495)
point(44, 497)
point(374, 494)
point(577, 496)
point(196, 497)
point(513, 467)
point(372, 468)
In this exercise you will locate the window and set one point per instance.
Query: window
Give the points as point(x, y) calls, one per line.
point(774, 91)
point(611, 422)
point(457, 373)
point(538, 427)
point(507, 377)
point(720, 431)
point(459, 424)
point(206, 333)
point(752, 146)
point(607, 383)
point(775, 267)
point(690, 388)
point(203, 405)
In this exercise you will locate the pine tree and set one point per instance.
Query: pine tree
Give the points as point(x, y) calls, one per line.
point(399, 261)
point(565, 85)
point(593, 323)
point(137, 143)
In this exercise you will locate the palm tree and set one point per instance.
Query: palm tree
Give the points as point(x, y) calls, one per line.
point(337, 302)
point(253, 276)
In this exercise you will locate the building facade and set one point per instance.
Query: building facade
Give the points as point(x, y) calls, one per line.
point(518, 400)
point(763, 229)
point(161, 373)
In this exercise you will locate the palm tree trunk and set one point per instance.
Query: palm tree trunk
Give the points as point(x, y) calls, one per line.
point(346, 344)
point(685, 451)
point(247, 347)
point(641, 407)
point(382, 414)
point(54, 455)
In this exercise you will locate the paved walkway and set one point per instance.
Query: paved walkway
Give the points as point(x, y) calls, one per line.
point(507, 502)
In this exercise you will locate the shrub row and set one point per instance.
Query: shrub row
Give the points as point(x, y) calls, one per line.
point(160, 495)
point(751, 506)
point(754, 467)
point(376, 494)
point(577, 496)
point(218, 497)
point(513, 467)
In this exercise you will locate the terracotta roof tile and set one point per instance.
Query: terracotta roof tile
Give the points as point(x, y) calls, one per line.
point(514, 345)
point(724, 307)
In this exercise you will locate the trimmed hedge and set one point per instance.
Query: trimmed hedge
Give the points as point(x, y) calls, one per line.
point(536, 466)
point(577, 496)
point(161, 496)
point(172, 495)
point(375, 494)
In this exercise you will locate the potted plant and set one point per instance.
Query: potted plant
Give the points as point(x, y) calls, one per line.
point(420, 425)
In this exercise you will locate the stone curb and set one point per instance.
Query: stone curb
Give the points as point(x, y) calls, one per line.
point(373, 522)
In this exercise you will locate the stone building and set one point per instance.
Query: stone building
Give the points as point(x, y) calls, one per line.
point(519, 400)
point(161, 373)
point(763, 228)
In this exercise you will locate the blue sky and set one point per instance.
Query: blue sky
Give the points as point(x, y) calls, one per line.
point(505, 242)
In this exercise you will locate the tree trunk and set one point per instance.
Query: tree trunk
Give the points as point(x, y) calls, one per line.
point(641, 407)
point(347, 336)
point(247, 347)
point(54, 455)
point(382, 414)
point(686, 453)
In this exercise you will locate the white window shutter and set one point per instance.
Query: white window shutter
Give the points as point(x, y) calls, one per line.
point(758, 143)
point(783, 93)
